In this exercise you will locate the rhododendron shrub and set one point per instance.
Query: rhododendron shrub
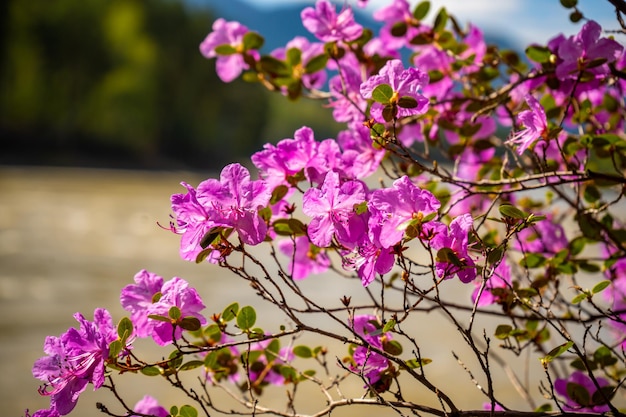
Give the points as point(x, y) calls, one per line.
point(469, 181)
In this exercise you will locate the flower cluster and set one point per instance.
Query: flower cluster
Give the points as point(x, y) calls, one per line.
point(466, 214)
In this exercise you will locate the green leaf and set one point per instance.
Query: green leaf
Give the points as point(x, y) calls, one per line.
point(575, 17)
point(190, 324)
point(187, 410)
point(417, 363)
point(399, 29)
point(159, 318)
point(544, 408)
point(173, 410)
point(600, 286)
point(495, 255)
point(533, 260)
point(441, 20)
point(317, 63)
point(302, 351)
point(230, 312)
point(115, 347)
point(252, 40)
point(511, 211)
point(278, 193)
point(390, 112)
point(274, 67)
point(392, 347)
point(407, 102)
point(151, 370)
point(174, 313)
point(294, 56)
point(503, 331)
point(591, 194)
point(389, 325)
point(187, 366)
point(448, 255)
point(569, 4)
point(540, 54)
point(289, 227)
point(421, 10)
point(124, 329)
point(246, 318)
point(382, 94)
point(578, 394)
point(557, 351)
point(580, 298)
point(598, 397)
point(225, 50)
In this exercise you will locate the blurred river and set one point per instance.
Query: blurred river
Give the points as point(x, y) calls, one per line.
point(70, 239)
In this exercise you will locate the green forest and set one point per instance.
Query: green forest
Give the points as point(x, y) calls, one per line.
point(120, 83)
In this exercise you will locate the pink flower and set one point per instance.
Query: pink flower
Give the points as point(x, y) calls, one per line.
point(404, 83)
point(136, 298)
point(73, 360)
point(327, 25)
point(229, 66)
point(174, 293)
point(535, 125)
point(577, 52)
point(455, 238)
point(149, 405)
point(306, 260)
point(392, 209)
point(332, 207)
point(234, 201)
point(581, 393)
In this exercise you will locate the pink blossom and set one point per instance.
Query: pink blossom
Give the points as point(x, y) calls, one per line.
point(306, 260)
point(404, 83)
point(581, 393)
point(535, 125)
point(578, 51)
point(228, 67)
point(73, 360)
point(328, 26)
point(455, 238)
point(149, 405)
point(392, 209)
point(331, 206)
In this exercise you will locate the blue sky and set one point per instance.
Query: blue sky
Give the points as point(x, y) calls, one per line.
point(522, 21)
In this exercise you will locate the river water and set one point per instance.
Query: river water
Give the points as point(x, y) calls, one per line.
point(70, 239)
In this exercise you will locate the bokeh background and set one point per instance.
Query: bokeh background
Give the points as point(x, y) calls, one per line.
point(105, 106)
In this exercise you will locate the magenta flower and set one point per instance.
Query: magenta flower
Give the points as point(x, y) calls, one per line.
point(228, 67)
point(501, 278)
point(42, 413)
point(581, 393)
point(74, 359)
point(307, 259)
point(359, 157)
point(137, 298)
point(234, 201)
point(392, 209)
point(331, 208)
point(277, 163)
point(535, 125)
point(368, 260)
point(370, 364)
point(308, 51)
point(546, 237)
point(404, 83)
point(578, 51)
point(174, 293)
point(346, 100)
point(327, 25)
point(455, 238)
point(191, 221)
point(150, 406)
